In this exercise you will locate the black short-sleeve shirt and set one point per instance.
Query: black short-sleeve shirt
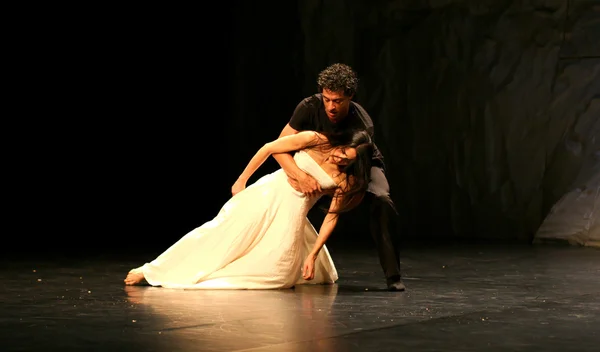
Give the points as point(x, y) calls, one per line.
point(310, 115)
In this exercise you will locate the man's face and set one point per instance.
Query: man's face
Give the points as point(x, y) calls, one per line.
point(336, 104)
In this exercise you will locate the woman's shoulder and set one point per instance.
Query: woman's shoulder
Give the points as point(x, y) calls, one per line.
point(317, 136)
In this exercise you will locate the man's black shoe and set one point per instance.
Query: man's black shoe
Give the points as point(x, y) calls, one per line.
point(395, 285)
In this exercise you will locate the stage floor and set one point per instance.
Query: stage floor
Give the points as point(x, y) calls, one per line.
point(477, 297)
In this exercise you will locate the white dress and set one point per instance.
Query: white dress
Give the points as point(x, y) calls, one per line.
point(258, 240)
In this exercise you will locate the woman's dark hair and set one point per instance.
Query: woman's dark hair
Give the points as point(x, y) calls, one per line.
point(358, 170)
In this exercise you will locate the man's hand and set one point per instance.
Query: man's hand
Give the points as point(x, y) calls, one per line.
point(308, 269)
point(306, 184)
point(238, 186)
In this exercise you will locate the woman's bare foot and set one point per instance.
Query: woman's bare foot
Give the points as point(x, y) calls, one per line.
point(134, 277)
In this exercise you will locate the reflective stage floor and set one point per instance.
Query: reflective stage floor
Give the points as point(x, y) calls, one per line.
point(467, 297)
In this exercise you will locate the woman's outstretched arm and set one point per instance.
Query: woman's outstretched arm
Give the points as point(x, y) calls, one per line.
point(327, 227)
point(285, 144)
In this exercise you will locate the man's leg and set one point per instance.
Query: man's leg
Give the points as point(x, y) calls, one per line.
point(382, 212)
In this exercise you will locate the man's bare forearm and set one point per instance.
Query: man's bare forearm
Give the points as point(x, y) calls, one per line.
point(285, 160)
point(287, 163)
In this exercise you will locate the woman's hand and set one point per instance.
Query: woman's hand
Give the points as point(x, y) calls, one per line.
point(238, 186)
point(308, 269)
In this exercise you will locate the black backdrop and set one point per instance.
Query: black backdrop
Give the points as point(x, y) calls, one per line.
point(142, 135)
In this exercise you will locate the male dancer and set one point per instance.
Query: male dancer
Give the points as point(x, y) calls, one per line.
point(332, 110)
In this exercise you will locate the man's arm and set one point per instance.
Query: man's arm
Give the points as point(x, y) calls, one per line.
point(368, 125)
point(300, 180)
point(284, 144)
point(285, 160)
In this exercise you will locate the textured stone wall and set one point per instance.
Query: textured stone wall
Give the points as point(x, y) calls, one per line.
point(488, 112)
point(575, 218)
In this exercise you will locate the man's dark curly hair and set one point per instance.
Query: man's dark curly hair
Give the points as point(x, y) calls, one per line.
point(338, 77)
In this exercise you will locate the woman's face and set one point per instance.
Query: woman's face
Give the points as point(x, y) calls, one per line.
point(343, 155)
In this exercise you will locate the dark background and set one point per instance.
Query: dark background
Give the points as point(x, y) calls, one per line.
point(140, 119)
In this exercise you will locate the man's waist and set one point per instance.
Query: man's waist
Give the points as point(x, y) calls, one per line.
point(378, 161)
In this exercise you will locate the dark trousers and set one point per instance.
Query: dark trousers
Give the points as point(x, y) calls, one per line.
point(381, 217)
point(382, 214)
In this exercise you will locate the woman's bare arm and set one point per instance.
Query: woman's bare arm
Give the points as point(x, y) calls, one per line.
point(327, 227)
